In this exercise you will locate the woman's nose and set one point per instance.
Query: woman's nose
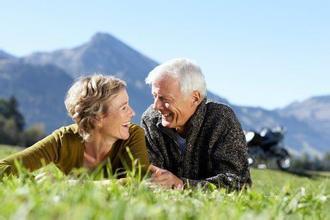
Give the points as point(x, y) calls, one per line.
point(132, 111)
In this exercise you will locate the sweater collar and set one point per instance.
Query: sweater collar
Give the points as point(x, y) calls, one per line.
point(194, 124)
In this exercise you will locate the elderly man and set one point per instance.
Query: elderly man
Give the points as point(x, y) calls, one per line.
point(192, 141)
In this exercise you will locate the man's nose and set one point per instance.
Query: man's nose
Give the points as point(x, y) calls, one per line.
point(157, 104)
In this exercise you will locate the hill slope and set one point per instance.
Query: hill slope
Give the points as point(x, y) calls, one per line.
point(40, 91)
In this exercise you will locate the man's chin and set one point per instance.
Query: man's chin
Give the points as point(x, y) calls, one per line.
point(167, 124)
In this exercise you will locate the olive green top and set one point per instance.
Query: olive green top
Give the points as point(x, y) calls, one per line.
point(65, 148)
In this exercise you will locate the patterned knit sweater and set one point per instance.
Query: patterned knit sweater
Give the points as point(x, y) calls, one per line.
point(215, 147)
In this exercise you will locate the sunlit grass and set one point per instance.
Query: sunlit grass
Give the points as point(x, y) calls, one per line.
point(7, 150)
point(274, 195)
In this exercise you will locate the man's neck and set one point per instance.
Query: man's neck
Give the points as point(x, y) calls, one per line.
point(181, 131)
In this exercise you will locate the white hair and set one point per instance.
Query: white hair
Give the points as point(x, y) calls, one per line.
point(188, 73)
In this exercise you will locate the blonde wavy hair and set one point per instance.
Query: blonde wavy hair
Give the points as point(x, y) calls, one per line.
point(86, 100)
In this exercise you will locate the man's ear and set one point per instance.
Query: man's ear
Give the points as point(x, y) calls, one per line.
point(197, 98)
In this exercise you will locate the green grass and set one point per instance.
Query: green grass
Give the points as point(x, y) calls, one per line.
point(274, 195)
point(7, 150)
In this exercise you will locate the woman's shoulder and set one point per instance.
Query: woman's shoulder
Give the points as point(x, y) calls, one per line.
point(68, 132)
point(67, 129)
point(135, 128)
point(135, 132)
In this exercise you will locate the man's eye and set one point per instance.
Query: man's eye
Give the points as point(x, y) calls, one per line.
point(162, 99)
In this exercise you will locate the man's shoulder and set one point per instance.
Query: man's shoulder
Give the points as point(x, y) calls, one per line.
point(215, 109)
point(150, 115)
point(219, 115)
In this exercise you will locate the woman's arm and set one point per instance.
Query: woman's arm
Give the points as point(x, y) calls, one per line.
point(32, 158)
point(137, 147)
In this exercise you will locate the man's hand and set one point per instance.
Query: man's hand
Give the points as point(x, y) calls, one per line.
point(165, 178)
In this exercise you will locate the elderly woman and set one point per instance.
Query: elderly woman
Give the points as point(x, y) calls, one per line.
point(102, 131)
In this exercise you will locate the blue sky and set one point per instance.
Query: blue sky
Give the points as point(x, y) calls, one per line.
point(256, 53)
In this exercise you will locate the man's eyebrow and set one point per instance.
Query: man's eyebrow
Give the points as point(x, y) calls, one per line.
point(163, 96)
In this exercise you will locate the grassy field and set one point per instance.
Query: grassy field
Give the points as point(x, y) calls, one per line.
point(274, 195)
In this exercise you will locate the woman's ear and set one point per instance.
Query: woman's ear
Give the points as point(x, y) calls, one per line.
point(97, 121)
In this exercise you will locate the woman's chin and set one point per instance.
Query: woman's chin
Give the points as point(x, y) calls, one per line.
point(124, 136)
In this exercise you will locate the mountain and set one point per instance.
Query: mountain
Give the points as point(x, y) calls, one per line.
point(40, 81)
point(105, 54)
point(300, 136)
point(40, 91)
point(4, 55)
point(314, 111)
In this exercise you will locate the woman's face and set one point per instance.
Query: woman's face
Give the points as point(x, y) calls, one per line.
point(115, 123)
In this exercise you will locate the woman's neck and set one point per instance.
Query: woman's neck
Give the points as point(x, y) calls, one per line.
point(96, 149)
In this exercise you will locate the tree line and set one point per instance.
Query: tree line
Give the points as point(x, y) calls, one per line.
point(12, 125)
point(307, 162)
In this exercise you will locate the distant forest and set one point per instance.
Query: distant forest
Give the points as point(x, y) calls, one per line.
point(12, 125)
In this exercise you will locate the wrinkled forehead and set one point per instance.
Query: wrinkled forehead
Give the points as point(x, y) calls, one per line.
point(166, 84)
point(168, 88)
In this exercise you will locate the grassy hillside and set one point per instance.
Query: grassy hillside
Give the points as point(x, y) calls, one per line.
point(274, 195)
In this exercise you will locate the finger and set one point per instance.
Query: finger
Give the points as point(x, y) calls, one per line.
point(179, 186)
point(161, 177)
point(156, 170)
point(164, 180)
point(165, 183)
point(171, 184)
point(153, 168)
point(162, 173)
point(170, 180)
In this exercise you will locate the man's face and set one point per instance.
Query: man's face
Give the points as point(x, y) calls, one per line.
point(176, 108)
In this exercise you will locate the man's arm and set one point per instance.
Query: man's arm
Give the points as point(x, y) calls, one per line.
point(229, 167)
point(154, 154)
point(228, 159)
